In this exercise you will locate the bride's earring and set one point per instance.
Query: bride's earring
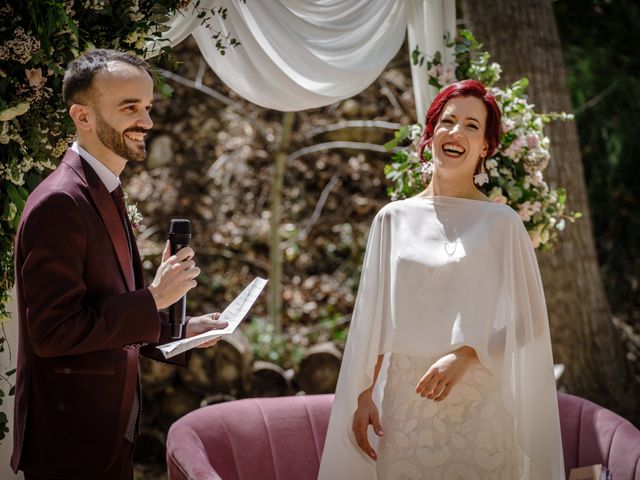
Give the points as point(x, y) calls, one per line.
point(481, 178)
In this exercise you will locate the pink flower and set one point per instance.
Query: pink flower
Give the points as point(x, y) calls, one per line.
point(536, 207)
point(508, 125)
point(497, 196)
point(532, 140)
point(447, 74)
point(34, 76)
point(537, 178)
point(527, 209)
point(513, 150)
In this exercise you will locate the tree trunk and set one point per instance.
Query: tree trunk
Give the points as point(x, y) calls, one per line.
point(319, 369)
point(224, 369)
point(523, 37)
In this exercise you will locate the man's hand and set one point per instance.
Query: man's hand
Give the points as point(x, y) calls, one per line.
point(445, 373)
point(174, 278)
point(204, 323)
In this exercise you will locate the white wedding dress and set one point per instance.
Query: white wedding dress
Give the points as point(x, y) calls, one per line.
point(469, 436)
point(439, 273)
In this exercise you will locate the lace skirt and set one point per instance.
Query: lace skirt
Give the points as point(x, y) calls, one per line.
point(468, 436)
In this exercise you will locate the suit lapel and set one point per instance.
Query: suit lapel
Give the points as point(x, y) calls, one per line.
point(107, 209)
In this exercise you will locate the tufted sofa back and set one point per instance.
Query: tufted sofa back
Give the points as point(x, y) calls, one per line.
point(255, 438)
point(282, 439)
point(592, 434)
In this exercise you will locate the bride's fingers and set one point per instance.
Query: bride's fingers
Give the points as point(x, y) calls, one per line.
point(445, 393)
point(427, 381)
point(438, 390)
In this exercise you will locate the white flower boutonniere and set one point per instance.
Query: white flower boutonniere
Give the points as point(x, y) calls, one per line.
point(134, 215)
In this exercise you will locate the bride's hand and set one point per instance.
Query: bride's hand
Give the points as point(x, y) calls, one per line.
point(445, 373)
point(366, 414)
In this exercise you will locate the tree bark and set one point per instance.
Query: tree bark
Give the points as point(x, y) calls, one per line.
point(522, 37)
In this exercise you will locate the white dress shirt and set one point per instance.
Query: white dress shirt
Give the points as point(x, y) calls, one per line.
point(110, 179)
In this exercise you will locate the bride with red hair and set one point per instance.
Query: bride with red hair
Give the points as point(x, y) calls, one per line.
point(447, 371)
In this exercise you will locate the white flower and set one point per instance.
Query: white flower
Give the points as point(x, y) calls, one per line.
point(13, 112)
point(135, 217)
point(507, 124)
point(415, 131)
point(447, 74)
point(537, 179)
point(525, 211)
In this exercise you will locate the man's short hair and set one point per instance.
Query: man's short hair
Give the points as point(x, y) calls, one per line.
point(81, 71)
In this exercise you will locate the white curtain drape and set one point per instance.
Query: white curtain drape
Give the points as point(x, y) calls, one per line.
point(300, 54)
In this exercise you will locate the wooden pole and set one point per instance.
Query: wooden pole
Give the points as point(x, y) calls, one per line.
point(275, 255)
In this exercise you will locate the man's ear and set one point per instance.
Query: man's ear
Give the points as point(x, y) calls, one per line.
point(82, 116)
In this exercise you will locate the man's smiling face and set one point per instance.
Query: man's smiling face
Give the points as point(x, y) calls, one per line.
point(122, 98)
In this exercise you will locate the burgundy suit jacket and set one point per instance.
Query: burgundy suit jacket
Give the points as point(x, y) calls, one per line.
point(79, 304)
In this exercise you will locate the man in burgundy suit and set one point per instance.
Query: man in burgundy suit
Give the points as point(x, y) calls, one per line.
point(85, 314)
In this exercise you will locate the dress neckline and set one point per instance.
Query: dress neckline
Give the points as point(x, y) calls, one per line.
point(434, 198)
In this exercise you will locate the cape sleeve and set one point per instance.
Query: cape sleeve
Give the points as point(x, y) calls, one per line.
point(341, 456)
point(529, 390)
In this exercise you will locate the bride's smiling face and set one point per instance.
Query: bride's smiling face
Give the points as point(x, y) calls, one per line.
point(459, 136)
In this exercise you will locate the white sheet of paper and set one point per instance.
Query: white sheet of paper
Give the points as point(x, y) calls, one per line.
point(234, 314)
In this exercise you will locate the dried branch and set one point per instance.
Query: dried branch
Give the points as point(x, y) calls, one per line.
point(200, 87)
point(392, 99)
point(353, 124)
point(317, 211)
point(336, 146)
point(597, 99)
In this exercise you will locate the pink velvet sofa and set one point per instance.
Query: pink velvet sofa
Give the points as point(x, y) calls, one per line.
point(282, 439)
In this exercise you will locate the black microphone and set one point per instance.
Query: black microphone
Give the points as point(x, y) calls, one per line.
point(179, 237)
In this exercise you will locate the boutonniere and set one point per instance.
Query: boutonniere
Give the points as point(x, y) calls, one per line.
point(134, 215)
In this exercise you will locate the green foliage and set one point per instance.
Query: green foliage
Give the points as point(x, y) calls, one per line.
point(287, 348)
point(270, 345)
point(515, 170)
point(603, 69)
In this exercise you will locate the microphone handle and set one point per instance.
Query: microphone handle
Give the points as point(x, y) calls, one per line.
point(177, 311)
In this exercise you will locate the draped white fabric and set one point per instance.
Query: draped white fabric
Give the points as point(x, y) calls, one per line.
point(300, 54)
point(439, 273)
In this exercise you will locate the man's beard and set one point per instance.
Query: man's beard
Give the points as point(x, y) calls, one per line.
point(114, 140)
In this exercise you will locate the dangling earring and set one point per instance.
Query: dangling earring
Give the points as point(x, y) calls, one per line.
point(481, 178)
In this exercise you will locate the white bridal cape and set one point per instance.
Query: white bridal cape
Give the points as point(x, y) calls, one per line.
point(439, 273)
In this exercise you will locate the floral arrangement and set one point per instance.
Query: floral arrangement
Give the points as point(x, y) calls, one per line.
point(515, 171)
point(38, 38)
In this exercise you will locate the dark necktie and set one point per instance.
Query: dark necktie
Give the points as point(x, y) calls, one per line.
point(118, 198)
